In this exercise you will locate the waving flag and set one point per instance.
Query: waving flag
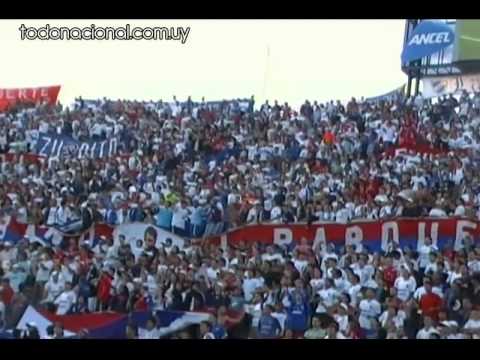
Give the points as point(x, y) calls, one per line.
point(109, 325)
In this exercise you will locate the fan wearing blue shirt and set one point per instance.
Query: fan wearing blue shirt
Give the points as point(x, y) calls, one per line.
point(163, 219)
point(268, 326)
point(298, 314)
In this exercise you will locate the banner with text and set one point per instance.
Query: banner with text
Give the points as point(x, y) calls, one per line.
point(10, 97)
point(375, 235)
point(62, 146)
point(439, 86)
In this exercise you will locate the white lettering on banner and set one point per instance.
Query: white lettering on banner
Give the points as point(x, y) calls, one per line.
point(60, 148)
point(461, 233)
point(421, 234)
point(224, 242)
point(386, 229)
point(101, 149)
point(282, 236)
point(10, 94)
point(83, 150)
point(34, 93)
point(320, 239)
point(2, 94)
point(354, 236)
point(43, 150)
point(54, 146)
point(92, 150)
point(22, 94)
point(44, 92)
point(113, 147)
point(428, 39)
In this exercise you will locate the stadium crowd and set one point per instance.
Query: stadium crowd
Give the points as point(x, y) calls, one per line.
point(199, 169)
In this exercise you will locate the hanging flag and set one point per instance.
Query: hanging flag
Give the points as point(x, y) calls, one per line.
point(428, 38)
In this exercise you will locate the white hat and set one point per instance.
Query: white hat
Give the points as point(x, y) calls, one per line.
point(132, 189)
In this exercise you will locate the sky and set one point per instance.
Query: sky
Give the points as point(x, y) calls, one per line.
point(284, 60)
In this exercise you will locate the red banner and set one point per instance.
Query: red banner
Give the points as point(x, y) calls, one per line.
point(375, 235)
point(26, 158)
point(9, 97)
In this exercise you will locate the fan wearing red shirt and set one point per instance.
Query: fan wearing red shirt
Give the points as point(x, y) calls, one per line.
point(104, 288)
point(389, 273)
point(142, 302)
point(430, 303)
point(408, 135)
point(6, 292)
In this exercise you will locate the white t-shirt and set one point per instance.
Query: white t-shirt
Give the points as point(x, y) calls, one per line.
point(424, 255)
point(369, 309)
point(421, 291)
point(179, 217)
point(398, 319)
point(317, 284)
point(452, 276)
point(268, 257)
point(473, 325)
point(424, 334)
point(276, 214)
point(355, 293)
point(405, 288)
point(342, 321)
point(65, 302)
point(328, 297)
point(250, 285)
point(300, 265)
point(54, 289)
point(148, 334)
point(255, 310)
point(44, 274)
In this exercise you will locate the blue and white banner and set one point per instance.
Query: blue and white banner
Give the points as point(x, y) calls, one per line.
point(63, 146)
point(428, 38)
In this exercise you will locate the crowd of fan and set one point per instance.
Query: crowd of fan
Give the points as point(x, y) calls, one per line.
point(197, 169)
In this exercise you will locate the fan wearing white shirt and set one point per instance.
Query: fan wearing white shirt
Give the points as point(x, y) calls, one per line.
point(427, 330)
point(369, 309)
point(151, 331)
point(54, 287)
point(65, 300)
point(341, 284)
point(317, 282)
point(300, 262)
point(276, 214)
point(250, 284)
point(421, 290)
point(271, 255)
point(391, 314)
point(180, 215)
point(341, 317)
point(424, 253)
point(334, 333)
point(328, 297)
point(472, 326)
point(355, 289)
point(405, 285)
